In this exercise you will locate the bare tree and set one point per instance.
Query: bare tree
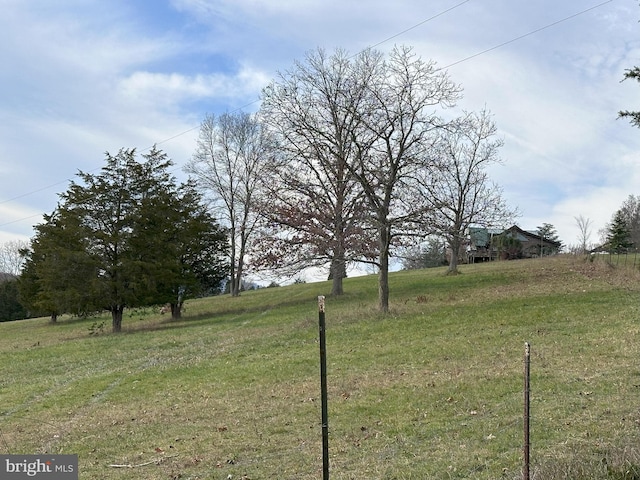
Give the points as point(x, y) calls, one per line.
point(584, 225)
point(11, 260)
point(229, 163)
point(460, 191)
point(394, 147)
point(316, 206)
point(359, 130)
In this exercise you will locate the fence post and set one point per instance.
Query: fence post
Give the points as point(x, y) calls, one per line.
point(527, 441)
point(323, 389)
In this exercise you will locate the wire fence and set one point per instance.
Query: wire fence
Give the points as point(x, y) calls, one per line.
point(630, 258)
point(587, 427)
point(542, 432)
point(481, 438)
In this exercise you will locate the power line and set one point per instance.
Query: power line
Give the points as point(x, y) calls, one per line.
point(32, 192)
point(532, 32)
point(237, 109)
point(508, 42)
point(419, 24)
point(21, 219)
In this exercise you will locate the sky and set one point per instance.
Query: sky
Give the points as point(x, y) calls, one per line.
point(83, 77)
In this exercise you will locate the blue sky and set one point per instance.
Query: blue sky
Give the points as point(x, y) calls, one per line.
point(82, 77)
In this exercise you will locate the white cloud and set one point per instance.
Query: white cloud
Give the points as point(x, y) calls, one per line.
point(83, 77)
point(174, 88)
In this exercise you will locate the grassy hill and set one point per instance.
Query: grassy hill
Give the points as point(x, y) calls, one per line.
point(432, 390)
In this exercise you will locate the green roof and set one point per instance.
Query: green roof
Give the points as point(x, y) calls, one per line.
point(479, 236)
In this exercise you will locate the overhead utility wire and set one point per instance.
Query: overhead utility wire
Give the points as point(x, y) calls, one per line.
point(418, 24)
point(525, 35)
point(515, 39)
point(237, 109)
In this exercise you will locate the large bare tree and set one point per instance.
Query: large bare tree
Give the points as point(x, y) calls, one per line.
point(229, 161)
point(315, 204)
point(461, 192)
point(357, 132)
point(399, 122)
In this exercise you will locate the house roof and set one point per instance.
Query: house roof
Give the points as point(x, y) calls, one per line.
point(481, 236)
point(478, 235)
point(525, 236)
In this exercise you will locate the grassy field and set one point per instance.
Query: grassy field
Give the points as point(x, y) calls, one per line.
point(432, 390)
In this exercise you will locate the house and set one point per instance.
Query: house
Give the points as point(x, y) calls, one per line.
point(481, 246)
point(486, 244)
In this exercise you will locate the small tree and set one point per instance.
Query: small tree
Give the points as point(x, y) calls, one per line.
point(584, 226)
point(618, 236)
point(460, 191)
point(547, 233)
point(509, 247)
point(57, 276)
point(427, 256)
point(228, 163)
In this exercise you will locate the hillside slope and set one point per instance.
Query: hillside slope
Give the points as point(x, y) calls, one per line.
point(432, 390)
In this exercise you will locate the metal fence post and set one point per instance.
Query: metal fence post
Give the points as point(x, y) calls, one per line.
point(323, 389)
point(527, 440)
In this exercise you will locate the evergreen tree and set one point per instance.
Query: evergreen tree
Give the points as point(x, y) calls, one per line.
point(126, 237)
point(10, 306)
point(427, 256)
point(630, 209)
point(632, 115)
point(619, 236)
point(548, 233)
point(188, 259)
point(54, 265)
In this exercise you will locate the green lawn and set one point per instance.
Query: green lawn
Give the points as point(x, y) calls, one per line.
point(432, 390)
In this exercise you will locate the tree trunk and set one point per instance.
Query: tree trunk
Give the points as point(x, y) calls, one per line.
point(116, 318)
point(236, 284)
point(338, 271)
point(338, 264)
point(234, 289)
point(336, 286)
point(176, 311)
point(383, 275)
point(454, 244)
